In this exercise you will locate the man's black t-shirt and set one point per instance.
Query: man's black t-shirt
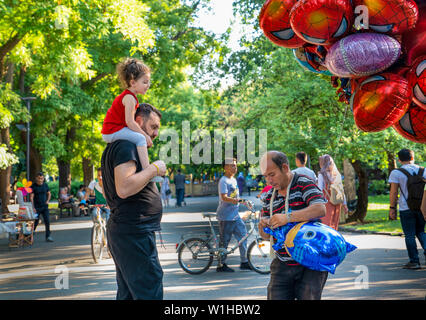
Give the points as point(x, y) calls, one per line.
point(141, 212)
point(40, 195)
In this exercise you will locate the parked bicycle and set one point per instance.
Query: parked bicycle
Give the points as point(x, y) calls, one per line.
point(98, 239)
point(196, 253)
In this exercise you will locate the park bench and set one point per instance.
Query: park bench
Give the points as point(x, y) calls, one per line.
point(65, 206)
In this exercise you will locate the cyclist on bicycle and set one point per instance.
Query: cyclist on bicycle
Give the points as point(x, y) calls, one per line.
point(229, 219)
point(96, 189)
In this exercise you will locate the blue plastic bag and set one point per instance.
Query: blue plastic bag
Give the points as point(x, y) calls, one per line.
point(312, 244)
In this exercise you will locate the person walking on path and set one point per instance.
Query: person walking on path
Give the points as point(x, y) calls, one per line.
point(166, 193)
point(241, 181)
point(136, 213)
point(230, 222)
point(96, 190)
point(40, 198)
point(412, 220)
point(180, 188)
point(305, 202)
point(301, 159)
point(326, 177)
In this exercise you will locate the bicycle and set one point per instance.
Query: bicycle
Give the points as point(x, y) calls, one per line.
point(98, 236)
point(196, 254)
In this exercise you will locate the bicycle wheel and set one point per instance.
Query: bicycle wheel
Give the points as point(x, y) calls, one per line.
point(258, 256)
point(194, 256)
point(98, 243)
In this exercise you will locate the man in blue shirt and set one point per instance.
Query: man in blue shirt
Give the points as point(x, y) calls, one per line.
point(230, 222)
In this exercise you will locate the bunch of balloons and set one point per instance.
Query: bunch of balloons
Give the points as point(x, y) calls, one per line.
point(24, 187)
point(374, 51)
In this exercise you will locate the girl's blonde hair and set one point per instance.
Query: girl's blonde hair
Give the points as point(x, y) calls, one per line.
point(131, 69)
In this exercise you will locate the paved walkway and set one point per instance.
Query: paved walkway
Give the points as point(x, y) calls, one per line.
point(373, 271)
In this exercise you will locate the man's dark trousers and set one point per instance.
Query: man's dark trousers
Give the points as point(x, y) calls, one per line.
point(413, 225)
point(138, 270)
point(180, 194)
point(46, 219)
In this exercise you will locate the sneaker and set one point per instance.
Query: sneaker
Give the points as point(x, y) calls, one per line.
point(245, 266)
point(49, 239)
point(224, 268)
point(412, 266)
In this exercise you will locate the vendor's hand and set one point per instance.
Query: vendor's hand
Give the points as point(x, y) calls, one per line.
point(278, 220)
point(263, 223)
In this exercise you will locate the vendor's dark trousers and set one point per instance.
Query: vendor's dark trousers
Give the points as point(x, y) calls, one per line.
point(413, 225)
point(46, 218)
point(295, 282)
point(138, 271)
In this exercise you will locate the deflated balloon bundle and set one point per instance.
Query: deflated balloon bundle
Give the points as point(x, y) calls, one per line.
point(376, 49)
point(312, 244)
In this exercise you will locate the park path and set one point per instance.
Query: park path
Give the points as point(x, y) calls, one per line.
point(373, 271)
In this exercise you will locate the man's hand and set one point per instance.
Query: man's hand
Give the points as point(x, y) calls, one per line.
point(161, 167)
point(263, 223)
point(278, 220)
point(392, 214)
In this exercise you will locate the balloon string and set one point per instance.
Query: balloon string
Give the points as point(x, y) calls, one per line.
point(341, 131)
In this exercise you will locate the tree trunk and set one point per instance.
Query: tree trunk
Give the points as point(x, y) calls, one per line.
point(87, 171)
point(64, 168)
point(35, 161)
point(36, 158)
point(349, 183)
point(64, 164)
point(362, 193)
point(350, 188)
point(5, 174)
point(391, 162)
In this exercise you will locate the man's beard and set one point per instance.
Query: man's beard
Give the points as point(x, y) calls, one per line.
point(144, 129)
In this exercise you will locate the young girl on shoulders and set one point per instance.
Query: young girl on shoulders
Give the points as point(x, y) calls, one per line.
point(119, 122)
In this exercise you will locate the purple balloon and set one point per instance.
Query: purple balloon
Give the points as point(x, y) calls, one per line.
point(362, 54)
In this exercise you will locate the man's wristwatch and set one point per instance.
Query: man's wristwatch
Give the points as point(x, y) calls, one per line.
point(392, 208)
point(288, 214)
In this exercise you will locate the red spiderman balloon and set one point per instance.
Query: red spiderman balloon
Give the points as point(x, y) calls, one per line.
point(412, 125)
point(390, 16)
point(322, 22)
point(380, 101)
point(417, 79)
point(414, 41)
point(275, 23)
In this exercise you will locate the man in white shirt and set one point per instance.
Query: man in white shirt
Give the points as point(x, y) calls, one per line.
point(412, 221)
point(301, 159)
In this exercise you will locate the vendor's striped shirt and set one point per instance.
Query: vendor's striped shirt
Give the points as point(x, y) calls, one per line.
point(303, 193)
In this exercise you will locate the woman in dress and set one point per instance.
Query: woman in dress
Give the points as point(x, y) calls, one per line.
point(328, 175)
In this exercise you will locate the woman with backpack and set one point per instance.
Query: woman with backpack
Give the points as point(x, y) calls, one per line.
point(330, 182)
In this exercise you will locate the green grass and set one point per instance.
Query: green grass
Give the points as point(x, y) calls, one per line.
point(377, 218)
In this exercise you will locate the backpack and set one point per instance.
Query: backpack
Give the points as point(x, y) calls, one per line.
point(415, 187)
point(337, 192)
